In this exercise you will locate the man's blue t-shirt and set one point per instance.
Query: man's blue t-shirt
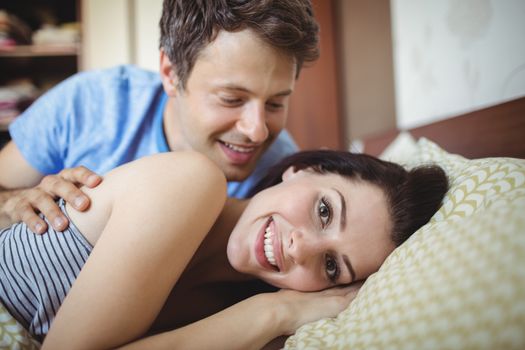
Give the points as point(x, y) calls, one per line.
point(102, 119)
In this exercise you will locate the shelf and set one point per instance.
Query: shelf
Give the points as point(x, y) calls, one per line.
point(4, 124)
point(4, 127)
point(39, 50)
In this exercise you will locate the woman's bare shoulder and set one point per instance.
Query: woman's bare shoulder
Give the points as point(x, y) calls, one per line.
point(179, 169)
point(164, 179)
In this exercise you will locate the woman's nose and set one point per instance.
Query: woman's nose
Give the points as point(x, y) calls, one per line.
point(302, 246)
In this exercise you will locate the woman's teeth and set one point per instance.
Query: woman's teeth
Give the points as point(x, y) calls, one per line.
point(268, 246)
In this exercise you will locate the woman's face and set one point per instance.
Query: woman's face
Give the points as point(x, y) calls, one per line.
point(312, 231)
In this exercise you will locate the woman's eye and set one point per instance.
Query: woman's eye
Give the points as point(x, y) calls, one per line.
point(325, 212)
point(332, 268)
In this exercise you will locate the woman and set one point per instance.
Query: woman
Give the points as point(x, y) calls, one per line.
point(168, 251)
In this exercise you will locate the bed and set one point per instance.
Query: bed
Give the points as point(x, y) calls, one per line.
point(459, 281)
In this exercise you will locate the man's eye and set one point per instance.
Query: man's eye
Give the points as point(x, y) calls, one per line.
point(274, 106)
point(325, 212)
point(332, 268)
point(231, 101)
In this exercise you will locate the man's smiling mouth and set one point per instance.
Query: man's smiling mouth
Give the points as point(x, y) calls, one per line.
point(240, 149)
point(238, 155)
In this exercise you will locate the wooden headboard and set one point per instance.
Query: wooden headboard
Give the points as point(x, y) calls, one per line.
point(497, 131)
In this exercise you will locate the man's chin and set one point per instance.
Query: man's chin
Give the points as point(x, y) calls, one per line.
point(236, 174)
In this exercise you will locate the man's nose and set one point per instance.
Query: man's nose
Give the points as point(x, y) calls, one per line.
point(302, 246)
point(252, 123)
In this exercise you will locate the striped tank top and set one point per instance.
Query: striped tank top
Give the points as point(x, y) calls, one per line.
point(37, 271)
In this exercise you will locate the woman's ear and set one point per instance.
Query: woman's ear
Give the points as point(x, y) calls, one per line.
point(168, 76)
point(289, 173)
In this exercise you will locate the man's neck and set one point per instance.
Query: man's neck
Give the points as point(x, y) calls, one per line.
point(210, 262)
point(170, 127)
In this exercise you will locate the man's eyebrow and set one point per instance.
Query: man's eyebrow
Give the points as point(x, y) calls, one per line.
point(343, 210)
point(235, 87)
point(283, 93)
point(349, 267)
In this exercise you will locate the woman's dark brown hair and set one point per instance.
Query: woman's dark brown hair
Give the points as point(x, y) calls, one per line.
point(187, 26)
point(413, 196)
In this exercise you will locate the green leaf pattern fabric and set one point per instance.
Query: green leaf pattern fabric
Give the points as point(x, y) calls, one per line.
point(13, 335)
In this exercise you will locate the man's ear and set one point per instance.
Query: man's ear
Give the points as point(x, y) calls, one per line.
point(168, 76)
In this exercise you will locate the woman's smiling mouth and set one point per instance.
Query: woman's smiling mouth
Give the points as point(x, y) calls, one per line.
point(268, 246)
point(265, 250)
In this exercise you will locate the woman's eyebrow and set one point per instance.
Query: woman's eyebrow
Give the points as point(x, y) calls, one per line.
point(349, 267)
point(343, 210)
point(346, 259)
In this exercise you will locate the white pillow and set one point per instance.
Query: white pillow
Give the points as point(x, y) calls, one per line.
point(401, 150)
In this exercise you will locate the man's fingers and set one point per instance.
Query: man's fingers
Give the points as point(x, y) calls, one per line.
point(47, 206)
point(41, 201)
point(81, 175)
point(93, 180)
point(27, 214)
point(61, 187)
point(26, 204)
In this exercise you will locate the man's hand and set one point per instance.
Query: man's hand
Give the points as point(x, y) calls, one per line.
point(24, 205)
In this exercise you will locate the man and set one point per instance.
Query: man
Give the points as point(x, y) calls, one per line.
point(227, 69)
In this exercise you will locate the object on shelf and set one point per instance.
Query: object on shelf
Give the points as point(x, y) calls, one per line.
point(67, 34)
point(13, 31)
point(15, 97)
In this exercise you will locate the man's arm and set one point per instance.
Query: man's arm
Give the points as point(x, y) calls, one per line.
point(24, 191)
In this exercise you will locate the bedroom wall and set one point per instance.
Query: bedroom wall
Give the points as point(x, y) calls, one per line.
point(120, 32)
point(367, 78)
point(105, 33)
point(455, 56)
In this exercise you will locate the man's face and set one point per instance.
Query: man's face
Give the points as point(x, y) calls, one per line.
point(235, 102)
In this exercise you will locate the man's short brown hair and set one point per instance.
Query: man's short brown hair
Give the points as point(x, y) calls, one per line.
point(187, 26)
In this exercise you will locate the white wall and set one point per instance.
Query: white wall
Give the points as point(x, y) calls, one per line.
point(147, 33)
point(455, 56)
point(120, 32)
point(105, 33)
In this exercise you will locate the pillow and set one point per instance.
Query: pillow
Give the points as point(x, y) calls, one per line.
point(457, 283)
point(402, 149)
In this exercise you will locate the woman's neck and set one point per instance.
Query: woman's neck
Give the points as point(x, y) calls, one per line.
point(210, 262)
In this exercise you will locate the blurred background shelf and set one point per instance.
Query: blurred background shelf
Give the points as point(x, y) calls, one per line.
point(39, 50)
point(39, 47)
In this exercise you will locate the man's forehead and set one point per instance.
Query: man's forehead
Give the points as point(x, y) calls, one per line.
point(243, 41)
point(240, 88)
